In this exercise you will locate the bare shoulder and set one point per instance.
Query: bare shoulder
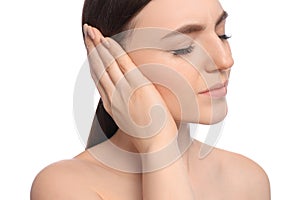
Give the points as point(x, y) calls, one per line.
point(65, 179)
point(245, 175)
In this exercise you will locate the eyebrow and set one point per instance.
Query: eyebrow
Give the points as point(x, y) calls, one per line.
point(190, 28)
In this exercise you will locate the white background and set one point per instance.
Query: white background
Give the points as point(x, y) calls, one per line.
point(41, 54)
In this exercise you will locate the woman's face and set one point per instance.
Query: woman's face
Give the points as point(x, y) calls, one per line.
point(184, 66)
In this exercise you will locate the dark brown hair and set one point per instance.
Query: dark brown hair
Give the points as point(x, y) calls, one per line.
point(110, 17)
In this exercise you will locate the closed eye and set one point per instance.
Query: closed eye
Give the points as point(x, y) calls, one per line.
point(183, 51)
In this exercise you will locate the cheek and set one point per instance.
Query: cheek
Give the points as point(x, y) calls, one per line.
point(145, 56)
point(176, 64)
point(171, 100)
point(177, 81)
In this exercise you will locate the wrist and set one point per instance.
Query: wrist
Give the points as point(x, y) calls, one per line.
point(168, 135)
point(158, 157)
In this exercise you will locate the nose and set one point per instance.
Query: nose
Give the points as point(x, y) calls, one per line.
point(220, 53)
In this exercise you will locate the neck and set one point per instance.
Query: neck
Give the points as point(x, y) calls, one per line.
point(122, 139)
point(118, 150)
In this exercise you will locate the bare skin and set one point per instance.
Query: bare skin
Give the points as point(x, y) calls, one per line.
point(220, 175)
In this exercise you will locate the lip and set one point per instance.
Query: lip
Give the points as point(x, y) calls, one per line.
point(216, 91)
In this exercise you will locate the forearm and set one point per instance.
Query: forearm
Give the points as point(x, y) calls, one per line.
point(171, 181)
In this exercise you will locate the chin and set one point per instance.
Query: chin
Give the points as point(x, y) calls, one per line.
point(217, 115)
point(209, 111)
point(207, 120)
point(216, 119)
point(209, 115)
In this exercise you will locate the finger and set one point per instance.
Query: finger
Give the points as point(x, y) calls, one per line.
point(105, 87)
point(87, 39)
point(96, 64)
point(99, 75)
point(108, 60)
point(110, 64)
point(132, 74)
point(106, 101)
point(124, 61)
point(98, 55)
point(98, 37)
point(136, 79)
point(111, 71)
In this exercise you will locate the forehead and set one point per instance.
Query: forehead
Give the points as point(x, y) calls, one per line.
point(170, 14)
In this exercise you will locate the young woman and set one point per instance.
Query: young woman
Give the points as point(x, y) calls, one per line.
point(158, 65)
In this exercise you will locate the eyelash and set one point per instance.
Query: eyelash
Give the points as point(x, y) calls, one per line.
point(183, 51)
point(189, 49)
point(224, 37)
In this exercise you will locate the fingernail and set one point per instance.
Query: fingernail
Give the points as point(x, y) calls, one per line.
point(91, 32)
point(105, 42)
point(85, 29)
